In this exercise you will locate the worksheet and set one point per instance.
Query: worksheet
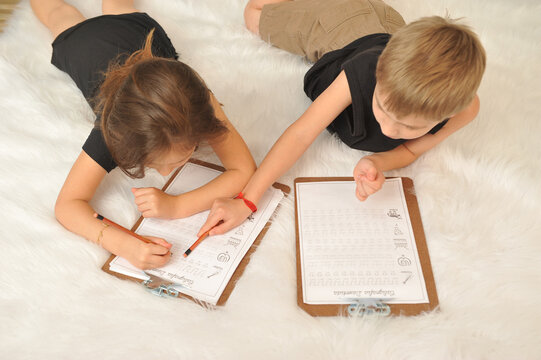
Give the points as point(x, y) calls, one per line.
point(205, 273)
point(352, 250)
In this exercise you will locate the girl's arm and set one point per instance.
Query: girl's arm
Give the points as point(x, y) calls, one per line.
point(369, 170)
point(73, 211)
point(285, 152)
point(239, 166)
point(238, 163)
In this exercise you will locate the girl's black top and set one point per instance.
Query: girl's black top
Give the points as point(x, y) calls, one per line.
point(85, 51)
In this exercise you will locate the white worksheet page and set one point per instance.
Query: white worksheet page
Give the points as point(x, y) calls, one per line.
point(355, 250)
point(205, 273)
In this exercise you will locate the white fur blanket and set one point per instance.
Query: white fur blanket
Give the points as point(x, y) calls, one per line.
point(478, 192)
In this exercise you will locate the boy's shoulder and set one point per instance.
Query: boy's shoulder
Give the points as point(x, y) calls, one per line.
point(358, 59)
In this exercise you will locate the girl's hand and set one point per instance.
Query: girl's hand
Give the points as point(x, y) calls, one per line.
point(368, 177)
point(152, 202)
point(149, 256)
point(231, 211)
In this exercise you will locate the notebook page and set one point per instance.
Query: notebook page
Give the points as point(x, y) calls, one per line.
point(351, 249)
point(205, 273)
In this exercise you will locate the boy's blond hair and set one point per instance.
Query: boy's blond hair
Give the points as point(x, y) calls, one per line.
point(431, 67)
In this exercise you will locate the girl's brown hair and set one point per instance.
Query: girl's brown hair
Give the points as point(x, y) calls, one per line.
point(431, 67)
point(149, 104)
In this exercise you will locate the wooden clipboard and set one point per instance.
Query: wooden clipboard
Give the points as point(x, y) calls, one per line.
point(156, 282)
point(422, 249)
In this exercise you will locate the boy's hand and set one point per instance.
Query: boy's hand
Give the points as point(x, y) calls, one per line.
point(150, 256)
point(231, 211)
point(152, 202)
point(368, 178)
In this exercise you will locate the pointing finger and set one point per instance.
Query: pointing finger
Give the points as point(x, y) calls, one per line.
point(211, 221)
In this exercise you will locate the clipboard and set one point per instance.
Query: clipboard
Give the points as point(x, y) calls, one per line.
point(374, 307)
point(162, 287)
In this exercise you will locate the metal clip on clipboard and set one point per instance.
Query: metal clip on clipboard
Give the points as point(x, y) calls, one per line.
point(160, 287)
point(361, 307)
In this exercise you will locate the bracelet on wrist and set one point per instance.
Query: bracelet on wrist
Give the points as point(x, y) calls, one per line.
point(100, 235)
point(248, 203)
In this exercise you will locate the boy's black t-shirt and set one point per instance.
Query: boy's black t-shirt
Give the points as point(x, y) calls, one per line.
point(85, 50)
point(356, 126)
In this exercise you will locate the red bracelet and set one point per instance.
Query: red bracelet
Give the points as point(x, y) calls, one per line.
point(248, 203)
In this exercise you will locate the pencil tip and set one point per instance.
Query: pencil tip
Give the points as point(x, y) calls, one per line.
point(187, 252)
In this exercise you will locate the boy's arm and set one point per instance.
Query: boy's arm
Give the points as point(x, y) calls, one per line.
point(284, 153)
point(369, 170)
point(73, 211)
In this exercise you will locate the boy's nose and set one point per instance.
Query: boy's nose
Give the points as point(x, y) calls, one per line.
point(390, 132)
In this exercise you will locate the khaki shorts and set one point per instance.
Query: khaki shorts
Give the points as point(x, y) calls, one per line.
point(314, 27)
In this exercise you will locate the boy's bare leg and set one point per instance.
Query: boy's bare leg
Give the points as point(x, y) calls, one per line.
point(252, 12)
point(56, 15)
point(117, 7)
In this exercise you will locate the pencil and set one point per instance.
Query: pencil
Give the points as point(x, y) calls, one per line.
point(194, 245)
point(109, 222)
point(198, 241)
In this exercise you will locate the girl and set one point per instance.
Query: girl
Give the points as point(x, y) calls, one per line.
point(152, 111)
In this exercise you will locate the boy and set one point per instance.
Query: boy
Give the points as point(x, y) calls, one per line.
point(397, 96)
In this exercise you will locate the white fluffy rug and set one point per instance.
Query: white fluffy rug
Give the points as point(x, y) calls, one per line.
point(479, 194)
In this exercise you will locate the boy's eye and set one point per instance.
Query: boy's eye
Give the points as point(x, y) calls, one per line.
point(409, 127)
point(403, 125)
